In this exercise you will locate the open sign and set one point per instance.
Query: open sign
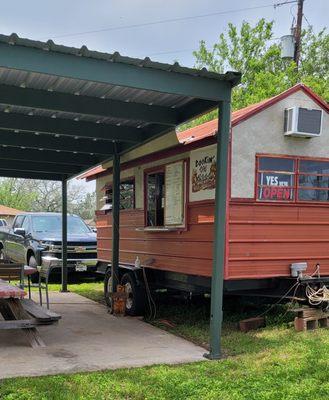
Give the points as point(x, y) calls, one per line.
point(276, 193)
point(275, 186)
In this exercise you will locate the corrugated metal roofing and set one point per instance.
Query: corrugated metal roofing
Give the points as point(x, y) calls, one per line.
point(14, 39)
point(38, 80)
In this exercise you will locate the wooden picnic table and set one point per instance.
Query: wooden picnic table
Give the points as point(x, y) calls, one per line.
point(24, 314)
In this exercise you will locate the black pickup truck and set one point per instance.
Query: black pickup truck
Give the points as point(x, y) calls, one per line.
point(35, 239)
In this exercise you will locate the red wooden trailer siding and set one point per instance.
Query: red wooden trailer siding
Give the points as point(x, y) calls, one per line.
point(186, 251)
point(263, 240)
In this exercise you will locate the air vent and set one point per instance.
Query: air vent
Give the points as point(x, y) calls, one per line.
point(302, 122)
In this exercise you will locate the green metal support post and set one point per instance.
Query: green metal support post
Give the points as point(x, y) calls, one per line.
point(216, 311)
point(115, 219)
point(64, 235)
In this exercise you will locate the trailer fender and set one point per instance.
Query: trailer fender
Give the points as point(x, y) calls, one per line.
point(136, 271)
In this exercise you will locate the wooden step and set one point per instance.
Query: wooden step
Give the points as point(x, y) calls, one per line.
point(38, 312)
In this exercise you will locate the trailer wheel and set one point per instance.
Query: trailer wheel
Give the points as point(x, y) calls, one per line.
point(107, 289)
point(135, 304)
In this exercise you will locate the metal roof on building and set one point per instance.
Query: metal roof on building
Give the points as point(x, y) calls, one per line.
point(63, 108)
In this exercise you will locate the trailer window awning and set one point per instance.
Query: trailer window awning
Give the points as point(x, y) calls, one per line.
point(63, 109)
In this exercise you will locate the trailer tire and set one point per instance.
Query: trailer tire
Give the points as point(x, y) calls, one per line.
point(33, 263)
point(107, 289)
point(135, 304)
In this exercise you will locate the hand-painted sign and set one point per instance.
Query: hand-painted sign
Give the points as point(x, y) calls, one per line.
point(203, 173)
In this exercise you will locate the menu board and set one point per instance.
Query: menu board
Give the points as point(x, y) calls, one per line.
point(203, 173)
point(174, 194)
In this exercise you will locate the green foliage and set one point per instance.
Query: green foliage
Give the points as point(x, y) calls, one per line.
point(252, 51)
point(35, 195)
point(85, 207)
point(17, 193)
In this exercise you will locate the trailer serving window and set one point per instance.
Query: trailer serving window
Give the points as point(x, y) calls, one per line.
point(292, 179)
point(165, 195)
point(127, 195)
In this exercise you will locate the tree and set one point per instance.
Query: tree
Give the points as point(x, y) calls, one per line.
point(252, 51)
point(49, 196)
point(17, 193)
point(37, 195)
point(86, 207)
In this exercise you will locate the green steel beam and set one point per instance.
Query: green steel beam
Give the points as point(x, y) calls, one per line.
point(115, 220)
point(16, 153)
point(65, 102)
point(22, 165)
point(49, 142)
point(70, 127)
point(195, 108)
point(64, 235)
point(30, 175)
point(217, 280)
point(114, 73)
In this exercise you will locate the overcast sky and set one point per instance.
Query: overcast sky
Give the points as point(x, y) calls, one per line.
point(45, 19)
point(61, 20)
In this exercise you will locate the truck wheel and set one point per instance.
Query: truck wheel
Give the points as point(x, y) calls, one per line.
point(135, 304)
point(2, 254)
point(107, 289)
point(33, 263)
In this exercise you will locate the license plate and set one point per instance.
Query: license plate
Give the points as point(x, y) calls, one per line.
point(81, 267)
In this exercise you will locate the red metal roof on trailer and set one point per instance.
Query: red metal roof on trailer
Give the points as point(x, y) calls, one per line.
point(92, 172)
point(210, 128)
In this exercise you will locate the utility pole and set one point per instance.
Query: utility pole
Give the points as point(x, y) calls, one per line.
point(298, 32)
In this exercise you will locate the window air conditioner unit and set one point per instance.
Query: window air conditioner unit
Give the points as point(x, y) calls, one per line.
point(302, 122)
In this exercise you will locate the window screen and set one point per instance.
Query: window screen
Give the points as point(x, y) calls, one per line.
point(127, 196)
point(155, 199)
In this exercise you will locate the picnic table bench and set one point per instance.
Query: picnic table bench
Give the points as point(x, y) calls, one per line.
point(24, 314)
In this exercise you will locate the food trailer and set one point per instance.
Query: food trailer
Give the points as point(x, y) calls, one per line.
point(277, 229)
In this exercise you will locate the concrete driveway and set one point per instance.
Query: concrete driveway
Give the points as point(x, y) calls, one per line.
point(87, 338)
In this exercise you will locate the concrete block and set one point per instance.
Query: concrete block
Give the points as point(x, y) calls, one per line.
point(250, 324)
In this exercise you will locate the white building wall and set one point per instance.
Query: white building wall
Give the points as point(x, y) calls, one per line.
point(263, 133)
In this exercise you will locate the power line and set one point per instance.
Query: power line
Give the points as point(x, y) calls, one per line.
point(188, 50)
point(171, 52)
point(165, 21)
point(307, 21)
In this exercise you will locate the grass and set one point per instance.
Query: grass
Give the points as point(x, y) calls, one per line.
point(92, 290)
point(273, 363)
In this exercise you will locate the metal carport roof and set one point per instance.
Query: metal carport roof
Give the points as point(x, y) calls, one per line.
point(62, 108)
